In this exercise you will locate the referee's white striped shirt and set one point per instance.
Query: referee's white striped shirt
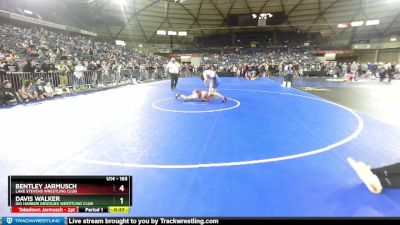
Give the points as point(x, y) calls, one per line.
point(173, 67)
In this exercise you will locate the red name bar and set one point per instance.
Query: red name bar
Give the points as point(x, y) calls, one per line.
point(45, 209)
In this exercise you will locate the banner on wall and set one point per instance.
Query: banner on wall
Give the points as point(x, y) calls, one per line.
point(330, 56)
point(186, 58)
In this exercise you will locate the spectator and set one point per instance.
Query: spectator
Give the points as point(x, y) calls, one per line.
point(8, 95)
point(41, 44)
point(288, 79)
point(354, 70)
point(39, 88)
point(27, 92)
point(78, 74)
point(391, 71)
point(63, 69)
point(28, 67)
point(52, 65)
point(382, 71)
point(364, 69)
point(10, 66)
point(48, 90)
point(45, 67)
point(349, 76)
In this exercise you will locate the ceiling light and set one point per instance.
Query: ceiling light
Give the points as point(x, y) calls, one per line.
point(182, 33)
point(357, 23)
point(28, 12)
point(372, 22)
point(161, 32)
point(172, 33)
point(343, 25)
point(120, 43)
point(120, 2)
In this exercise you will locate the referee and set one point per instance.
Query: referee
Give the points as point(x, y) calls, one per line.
point(173, 69)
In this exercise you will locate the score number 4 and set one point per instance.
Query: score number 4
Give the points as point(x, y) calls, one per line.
point(121, 188)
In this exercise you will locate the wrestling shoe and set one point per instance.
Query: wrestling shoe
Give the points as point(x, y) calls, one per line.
point(365, 174)
point(224, 100)
point(177, 96)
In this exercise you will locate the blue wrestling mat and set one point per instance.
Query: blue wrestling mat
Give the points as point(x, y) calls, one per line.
point(267, 151)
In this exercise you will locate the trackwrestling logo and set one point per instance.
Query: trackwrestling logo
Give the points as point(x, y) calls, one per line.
point(33, 220)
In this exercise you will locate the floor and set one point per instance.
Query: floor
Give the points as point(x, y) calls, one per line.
point(268, 151)
point(376, 99)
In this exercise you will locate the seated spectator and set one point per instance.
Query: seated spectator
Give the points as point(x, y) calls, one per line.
point(27, 92)
point(39, 87)
point(349, 76)
point(8, 95)
point(49, 92)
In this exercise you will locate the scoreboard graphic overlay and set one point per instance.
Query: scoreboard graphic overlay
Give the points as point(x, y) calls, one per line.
point(70, 194)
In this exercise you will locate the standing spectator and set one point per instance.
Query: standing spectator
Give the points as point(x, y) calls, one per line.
point(78, 74)
point(344, 69)
point(391, 72)
point(364, 69)
point(45, 67)
point(104, 73)
point(288, 78)
point(69, 72)
point(92, 75)
point(63, 69)
point(173, 69)
point(382, 71)
point(35, 66)
point(200, 71)
point(244, 70)
point(52, 65)
point(98, 73)
point(158, 71)
point(48, 66)
point(371, 69)
point(354, 70)
point(143, 74)
point(374, 70)
point(28, 67)
point(3, 74)
point(11, 66)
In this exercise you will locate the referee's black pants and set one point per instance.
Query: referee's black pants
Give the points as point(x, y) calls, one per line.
point(174, 80)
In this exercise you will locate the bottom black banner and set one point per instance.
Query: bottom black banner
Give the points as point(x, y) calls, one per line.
point(219, 220)
point(186, 220)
